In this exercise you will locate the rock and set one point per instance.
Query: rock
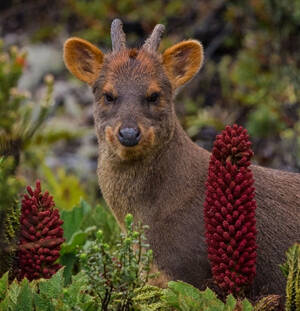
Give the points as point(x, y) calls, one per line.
point(41, 60)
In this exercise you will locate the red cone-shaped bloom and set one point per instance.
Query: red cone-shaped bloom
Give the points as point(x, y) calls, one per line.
point(41, 235)
point(229, 210)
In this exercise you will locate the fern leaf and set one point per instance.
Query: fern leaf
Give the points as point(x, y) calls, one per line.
point(293, 279)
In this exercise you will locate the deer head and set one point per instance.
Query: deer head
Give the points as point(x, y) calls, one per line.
point(133, 88)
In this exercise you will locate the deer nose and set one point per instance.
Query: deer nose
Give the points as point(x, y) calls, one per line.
point(129, 136)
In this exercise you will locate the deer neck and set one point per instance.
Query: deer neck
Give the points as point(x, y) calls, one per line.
point(138, 186)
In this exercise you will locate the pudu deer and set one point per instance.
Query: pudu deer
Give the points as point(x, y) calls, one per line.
point(149, 167)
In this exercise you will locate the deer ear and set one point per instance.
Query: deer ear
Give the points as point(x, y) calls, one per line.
point(83, 59)
point(182, 61)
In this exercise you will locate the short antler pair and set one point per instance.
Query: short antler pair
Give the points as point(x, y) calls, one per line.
point(179, 62)
point(118, 37)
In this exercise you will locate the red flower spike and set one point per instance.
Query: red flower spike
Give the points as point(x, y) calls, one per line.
point(41, 235)
point(229, 211)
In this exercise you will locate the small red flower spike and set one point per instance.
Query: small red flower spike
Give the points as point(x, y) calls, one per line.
point(41, 235)
point(229, 211)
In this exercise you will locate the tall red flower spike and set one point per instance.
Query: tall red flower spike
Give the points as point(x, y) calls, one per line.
point(41, 235)
point(229, 211)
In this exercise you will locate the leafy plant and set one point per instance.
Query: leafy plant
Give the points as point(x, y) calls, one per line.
point(9, 214)
point(80, 224)
point(149, 298)
point(185, 297)
point(291, 270)
point(20, 119)
point(46, 294)
point(114, 273)
point(9, 220)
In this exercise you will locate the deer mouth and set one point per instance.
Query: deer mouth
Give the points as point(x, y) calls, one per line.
point(130, 143)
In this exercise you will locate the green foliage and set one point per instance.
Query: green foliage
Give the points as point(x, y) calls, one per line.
point(74, 218)
point(260, 77)
point(256, 82)
point(9, 217)
point(46, 295)
point(291, 270)
point(96, 21)
point(65, 188)
point(10, 186)
point(149, 298)
point(80, 223)
point(20, 118)
point(11, 67)
point(114, 273)
point(185, 297)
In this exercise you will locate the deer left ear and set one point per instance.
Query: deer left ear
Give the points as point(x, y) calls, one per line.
point(182, 61)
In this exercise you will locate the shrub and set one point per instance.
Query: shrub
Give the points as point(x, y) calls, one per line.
point(185, 297)
point(115, 273)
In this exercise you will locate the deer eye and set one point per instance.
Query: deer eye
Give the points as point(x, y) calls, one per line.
point(108, 97)
point(153, 97)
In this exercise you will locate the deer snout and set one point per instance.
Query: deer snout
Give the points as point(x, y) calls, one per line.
point(129, 136)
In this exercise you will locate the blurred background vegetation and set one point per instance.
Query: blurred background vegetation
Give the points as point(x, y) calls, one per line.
point(251, 76)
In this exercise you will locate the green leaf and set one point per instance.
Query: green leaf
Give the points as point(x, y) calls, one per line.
point(52, 288)
point(3, 285)
point(183, 296)
point(77, 239)
point(247, 306)
point(13, 293)
point(68, 261)
point(211, 302)
point(284, 268)
point(208, 294)
point(4, 304)
point(24, 300)
point(73, 297)
point(70, 249)
point(42, 303)
point(230, 303)
point(73, 219)
point(293, 279)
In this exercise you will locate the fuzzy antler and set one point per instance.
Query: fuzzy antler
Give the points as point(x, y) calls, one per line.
point(152, 43)
point(118, 38)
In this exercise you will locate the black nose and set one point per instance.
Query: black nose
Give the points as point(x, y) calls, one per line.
point(129, 136)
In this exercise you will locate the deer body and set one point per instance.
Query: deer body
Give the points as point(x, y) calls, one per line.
point(149, 167)
point(168, 195)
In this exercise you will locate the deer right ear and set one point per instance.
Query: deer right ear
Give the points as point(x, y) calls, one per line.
point(83, 59)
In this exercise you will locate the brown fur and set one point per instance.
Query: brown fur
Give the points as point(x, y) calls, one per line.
point(161, 180)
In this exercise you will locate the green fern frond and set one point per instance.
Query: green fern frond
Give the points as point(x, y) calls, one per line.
point(293, 279)
point(148, 298)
